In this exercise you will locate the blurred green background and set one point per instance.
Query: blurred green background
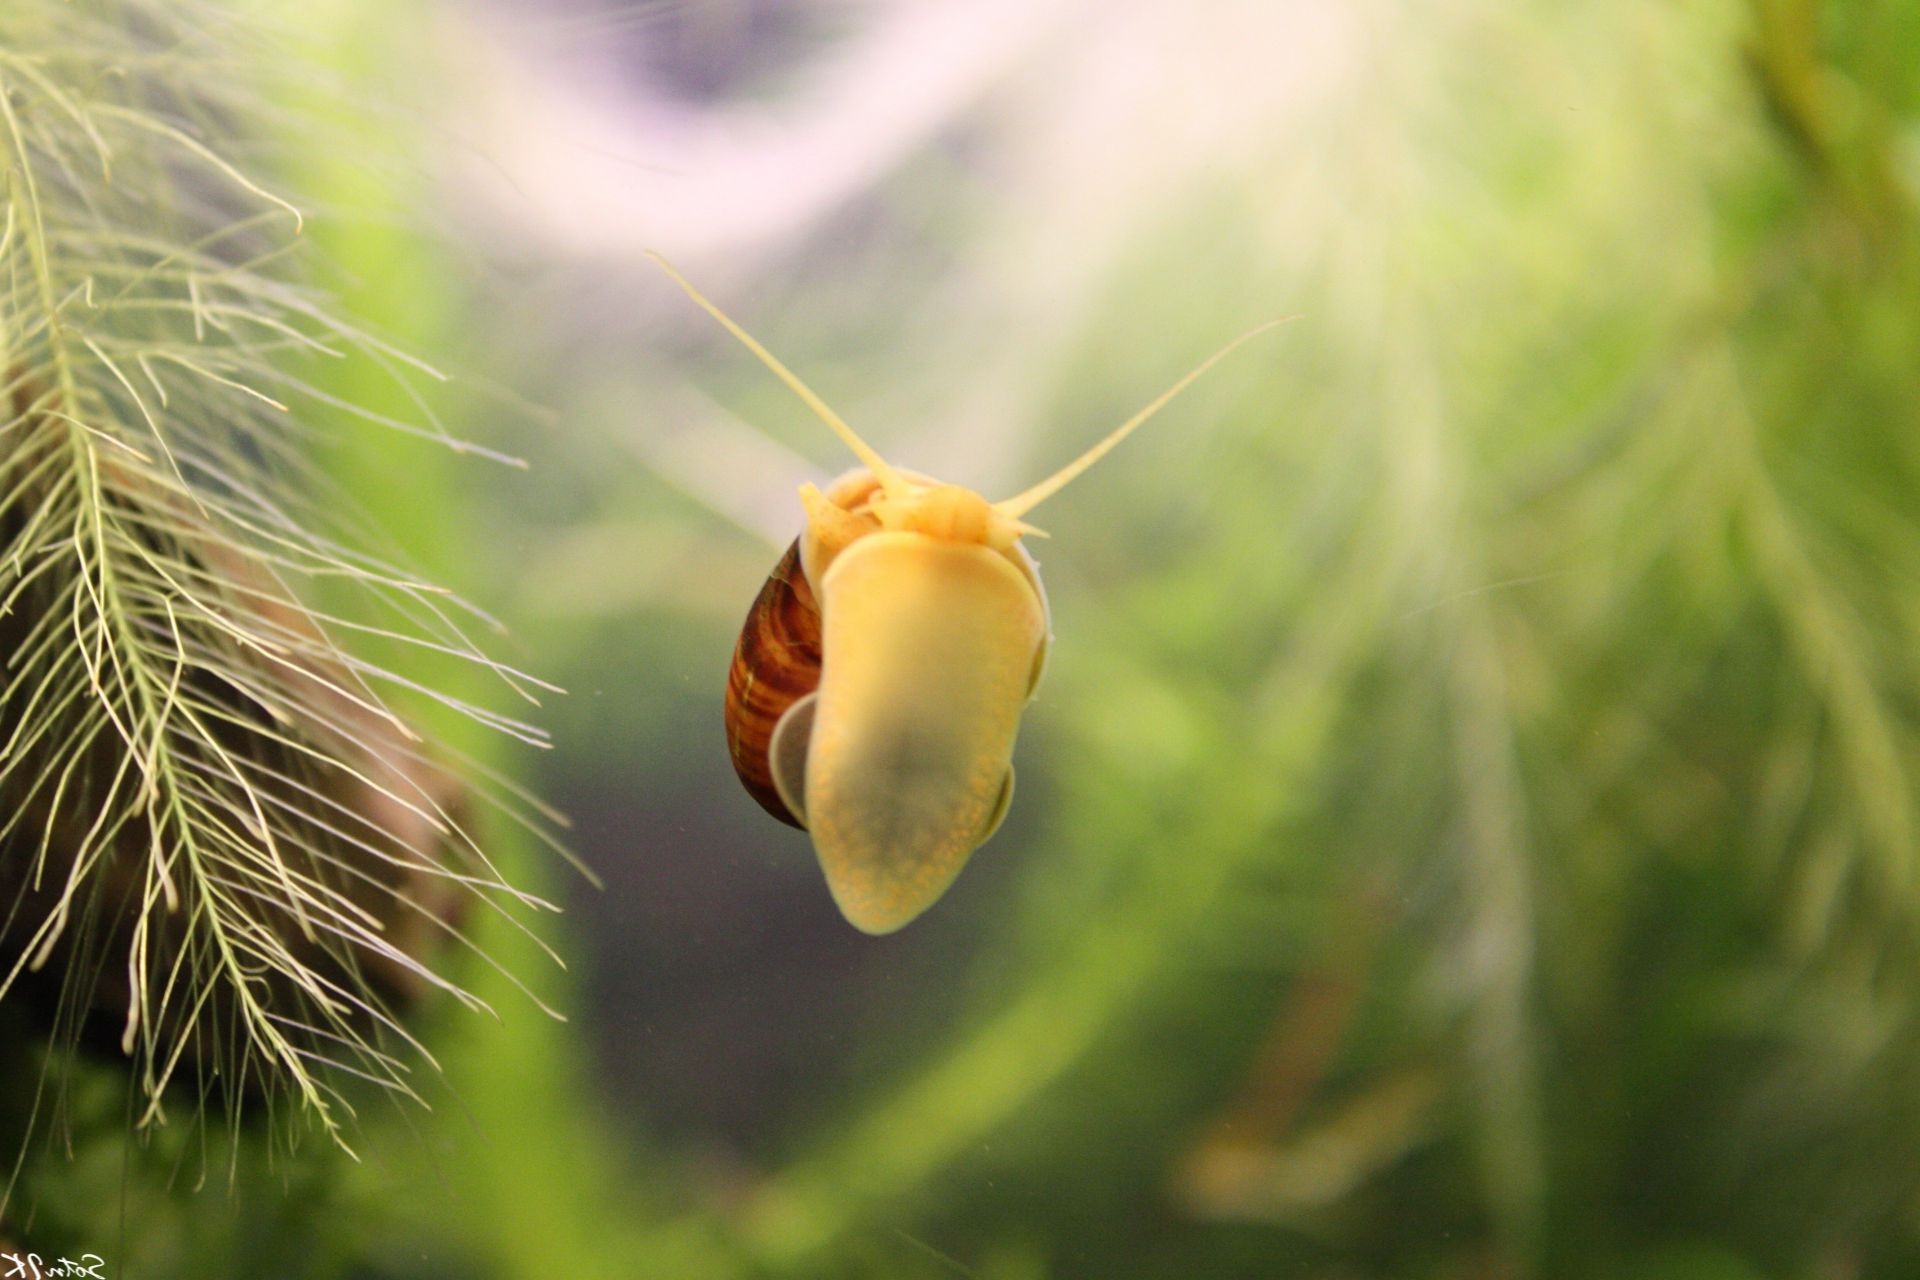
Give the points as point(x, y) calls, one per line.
point(1469, 825)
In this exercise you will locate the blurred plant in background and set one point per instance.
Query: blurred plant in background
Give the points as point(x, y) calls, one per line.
point(1468, 828)
point(1465, 830)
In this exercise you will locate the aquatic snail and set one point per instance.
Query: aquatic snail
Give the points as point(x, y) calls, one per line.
point(897, 754)
point(879, 679)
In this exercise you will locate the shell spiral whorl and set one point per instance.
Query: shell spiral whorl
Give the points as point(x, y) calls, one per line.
point(775, 664)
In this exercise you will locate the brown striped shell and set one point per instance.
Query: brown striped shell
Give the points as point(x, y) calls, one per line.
point(777, 659)
point(775, 664)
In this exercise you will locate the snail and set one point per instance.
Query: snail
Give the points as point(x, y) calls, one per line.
point(879, 679)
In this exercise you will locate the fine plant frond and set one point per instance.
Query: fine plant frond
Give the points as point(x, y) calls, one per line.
point(222, 851)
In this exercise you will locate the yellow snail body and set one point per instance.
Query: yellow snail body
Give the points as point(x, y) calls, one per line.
point(878, 683)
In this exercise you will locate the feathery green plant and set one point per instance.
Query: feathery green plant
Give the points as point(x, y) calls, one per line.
point(222, 851)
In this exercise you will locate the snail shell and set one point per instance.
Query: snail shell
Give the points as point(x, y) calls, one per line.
point(775, 664)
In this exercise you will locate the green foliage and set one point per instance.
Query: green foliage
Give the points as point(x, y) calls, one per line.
point(223, 854)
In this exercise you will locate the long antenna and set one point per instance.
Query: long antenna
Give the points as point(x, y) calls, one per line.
point(890, 479)
point(1023, 502)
